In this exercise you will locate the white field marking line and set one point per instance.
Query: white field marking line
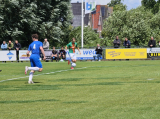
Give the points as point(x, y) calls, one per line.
point(40, 74)
point(150, 79)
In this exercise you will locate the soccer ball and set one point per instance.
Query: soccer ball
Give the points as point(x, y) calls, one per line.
point(73, 64)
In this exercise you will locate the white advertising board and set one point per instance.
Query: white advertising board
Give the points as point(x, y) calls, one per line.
point(86, 54)
point(23, 56)
point(8, 55)
point(153, 52)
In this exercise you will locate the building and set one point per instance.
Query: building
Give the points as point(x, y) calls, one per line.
point(97, 18)
point(77, 15)
point(94, 20)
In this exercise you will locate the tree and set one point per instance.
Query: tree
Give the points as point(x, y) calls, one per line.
point(117, 5)
point(120, 7)
point(114, 2)
point(138, 25)
point(91, 38)
point(156, 8)
point(49, 18)
point(149, 4)
point(152, 5)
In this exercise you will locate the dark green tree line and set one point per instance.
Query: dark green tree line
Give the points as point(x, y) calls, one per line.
point(49, 18)
point(152, 5)
point(138, 25)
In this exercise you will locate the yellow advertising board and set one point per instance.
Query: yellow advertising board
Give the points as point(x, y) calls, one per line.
point(126, 53)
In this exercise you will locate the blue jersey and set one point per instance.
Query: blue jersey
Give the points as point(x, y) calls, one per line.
point(34, 47)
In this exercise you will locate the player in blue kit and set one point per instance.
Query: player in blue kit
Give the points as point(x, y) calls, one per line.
point(36, 47)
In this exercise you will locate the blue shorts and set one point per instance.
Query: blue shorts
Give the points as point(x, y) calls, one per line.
point(35, 62)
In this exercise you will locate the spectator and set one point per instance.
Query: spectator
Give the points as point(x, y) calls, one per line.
point(117, 42)
point(152, 43)
point(127, 43)
point(99, 51)
point(45, 44)
point(4, 47)
point(54, 54)
point(10, 45)
point(62, 54)
point(17, 47)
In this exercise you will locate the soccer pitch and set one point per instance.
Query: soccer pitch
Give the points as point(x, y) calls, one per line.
point(94, 90)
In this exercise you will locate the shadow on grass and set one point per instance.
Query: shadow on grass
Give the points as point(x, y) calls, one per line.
point(29, 87)
point(32, 84)
point(73, 102)
point(50, 87)
point(146, 82)
point(61, 86)
point(101, 83)
point(71, 79)
point(92, 84)
point(27, 101)
point(107, 83)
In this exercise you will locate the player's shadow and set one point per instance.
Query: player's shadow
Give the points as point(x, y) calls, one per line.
point(37, 82)
point(34, 82)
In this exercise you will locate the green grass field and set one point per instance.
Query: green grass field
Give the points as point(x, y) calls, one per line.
point(94, 90)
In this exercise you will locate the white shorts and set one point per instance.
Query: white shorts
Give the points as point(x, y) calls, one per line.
point(73, 56)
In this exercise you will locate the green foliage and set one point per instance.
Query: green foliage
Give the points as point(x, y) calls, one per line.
point(94, 90)
point(148, 3)
point(152, 5)
point(156, 8)
point(21, 18)
point(119, 7)
point(114, 2)
point(137, 24)
point(90, 37)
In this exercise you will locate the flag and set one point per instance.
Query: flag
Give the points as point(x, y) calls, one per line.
point(90, 6)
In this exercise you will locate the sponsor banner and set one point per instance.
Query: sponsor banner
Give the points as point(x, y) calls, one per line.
point(126, 53)
point(86, 54)
point(23, 56)
point(153, 52)
point(8, 55)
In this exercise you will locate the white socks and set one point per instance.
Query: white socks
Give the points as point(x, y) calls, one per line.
point(31, 73)
point(30, 76)
point(33, 68)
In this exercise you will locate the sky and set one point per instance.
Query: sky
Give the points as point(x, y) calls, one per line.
point(130, 3)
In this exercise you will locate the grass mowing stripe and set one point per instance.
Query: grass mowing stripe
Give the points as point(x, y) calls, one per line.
point(28, 101)
point(39, 74)
point(116, 90)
